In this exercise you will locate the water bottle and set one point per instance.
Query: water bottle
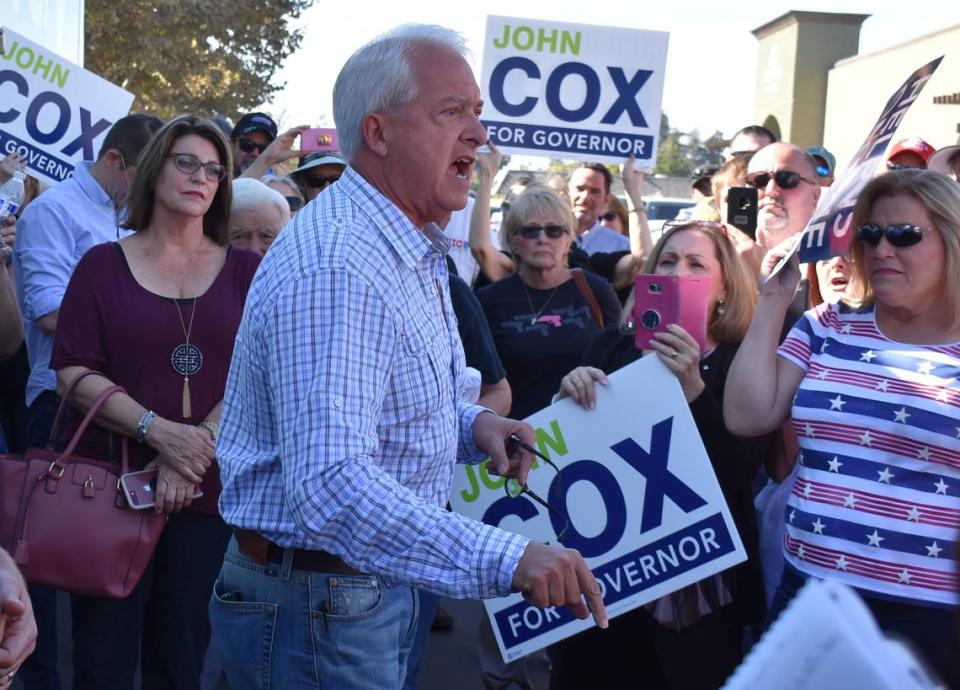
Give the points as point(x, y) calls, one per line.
point(11, 196)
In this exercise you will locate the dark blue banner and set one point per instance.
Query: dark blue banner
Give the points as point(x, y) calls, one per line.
point(36, 159)
point(829, 233)
point(626, 576)
point(568, 142)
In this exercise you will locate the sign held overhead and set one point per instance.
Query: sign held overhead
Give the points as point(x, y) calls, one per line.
point(573, 91)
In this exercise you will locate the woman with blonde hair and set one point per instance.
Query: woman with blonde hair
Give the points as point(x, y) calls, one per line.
point(871, 392)
point(691, 639)
point(543, 314)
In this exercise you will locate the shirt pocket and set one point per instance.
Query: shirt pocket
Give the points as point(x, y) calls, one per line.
point(417, 382)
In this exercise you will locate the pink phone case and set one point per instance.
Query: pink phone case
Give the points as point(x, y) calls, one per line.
point(319, 139)
point(140, 489)
point(662, 300)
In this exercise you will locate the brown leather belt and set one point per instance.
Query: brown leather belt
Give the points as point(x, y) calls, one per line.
point(261, 550)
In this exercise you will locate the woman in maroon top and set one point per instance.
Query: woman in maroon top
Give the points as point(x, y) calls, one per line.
point(157, 313)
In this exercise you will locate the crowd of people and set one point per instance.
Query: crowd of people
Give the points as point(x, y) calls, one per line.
point(367, 320)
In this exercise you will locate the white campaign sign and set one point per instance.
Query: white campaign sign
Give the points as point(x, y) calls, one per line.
point(573, 91)
point(53, 112)
point(643, 502)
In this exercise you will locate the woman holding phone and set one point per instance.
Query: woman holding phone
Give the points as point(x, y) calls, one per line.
point(691, 639)
point(871, 392)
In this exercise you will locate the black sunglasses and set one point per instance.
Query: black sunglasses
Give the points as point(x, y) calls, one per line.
point(532, 231)
point(189, 164)
point(294, 202)
point(901, 235)
point(320, 181)
point(785, 179)
point(249, 146)
point(901, 166)
point(608, 216)
point(514, 488)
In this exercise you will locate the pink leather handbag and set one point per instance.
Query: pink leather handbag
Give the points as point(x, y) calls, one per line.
point(65, 520)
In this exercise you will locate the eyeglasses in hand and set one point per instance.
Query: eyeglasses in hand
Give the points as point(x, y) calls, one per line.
point(514, 488)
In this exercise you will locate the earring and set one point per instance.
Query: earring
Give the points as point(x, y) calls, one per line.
point(721, 308)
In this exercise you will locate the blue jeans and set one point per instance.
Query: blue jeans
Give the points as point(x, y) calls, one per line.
point(428, 609)
point(276, 627)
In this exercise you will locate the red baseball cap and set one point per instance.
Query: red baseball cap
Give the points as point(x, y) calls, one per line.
point(914, 145)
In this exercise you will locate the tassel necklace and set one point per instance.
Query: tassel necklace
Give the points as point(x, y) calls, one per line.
point(186, 359)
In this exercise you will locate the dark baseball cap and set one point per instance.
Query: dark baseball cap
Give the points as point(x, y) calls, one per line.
point(251, 122)
point(704, 172)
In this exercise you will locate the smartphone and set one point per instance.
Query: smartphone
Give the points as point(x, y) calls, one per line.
point(662, 300)
point(742, 209)
point(140, 489)
point(319, 139)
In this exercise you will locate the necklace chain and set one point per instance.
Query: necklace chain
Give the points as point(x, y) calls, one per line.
point(536, 313)
point(193, 311)
point(187, 408)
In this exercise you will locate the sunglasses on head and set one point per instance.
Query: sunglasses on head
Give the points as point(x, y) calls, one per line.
point(294, 202)
point(785, 179)
point(320, 181)
point(902, 166)
point(249, 146)
point(532, 232)
point(901, 235)
point(703, 225)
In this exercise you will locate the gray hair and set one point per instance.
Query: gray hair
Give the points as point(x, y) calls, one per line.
point(379, 78)
point(284, 180)
point(249, 193)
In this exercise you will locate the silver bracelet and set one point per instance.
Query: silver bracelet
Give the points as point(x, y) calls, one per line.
point(144, 425)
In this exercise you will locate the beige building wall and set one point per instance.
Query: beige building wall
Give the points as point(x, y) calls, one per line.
point(795, 53)
point(859, 87)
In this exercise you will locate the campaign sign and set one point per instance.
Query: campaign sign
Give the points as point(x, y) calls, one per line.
point(573, 91)
point(633, 492)
point(52, 112)
point(829, 233)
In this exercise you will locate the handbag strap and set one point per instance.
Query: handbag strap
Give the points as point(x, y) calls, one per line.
point(64, 458)
point(64, 405)
point(584, 287)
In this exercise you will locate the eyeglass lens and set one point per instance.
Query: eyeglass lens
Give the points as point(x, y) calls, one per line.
point(785, 179)
point(898, 235)
point(319, 180)
point(188, 165)
point(249, 146)
point(531, 232)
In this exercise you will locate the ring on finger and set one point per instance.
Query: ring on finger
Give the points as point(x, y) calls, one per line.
point(674, 354)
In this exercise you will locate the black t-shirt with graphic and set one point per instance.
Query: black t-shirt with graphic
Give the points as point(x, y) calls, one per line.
point(539, 346)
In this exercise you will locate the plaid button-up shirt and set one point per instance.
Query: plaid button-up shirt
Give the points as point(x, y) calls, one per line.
point(341, 421)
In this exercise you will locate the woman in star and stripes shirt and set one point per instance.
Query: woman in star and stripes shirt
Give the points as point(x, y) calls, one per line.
point(871, 391)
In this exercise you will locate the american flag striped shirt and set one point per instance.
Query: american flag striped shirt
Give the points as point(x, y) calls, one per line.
point(876, 503)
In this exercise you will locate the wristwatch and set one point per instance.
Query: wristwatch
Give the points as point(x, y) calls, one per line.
point(211, 426)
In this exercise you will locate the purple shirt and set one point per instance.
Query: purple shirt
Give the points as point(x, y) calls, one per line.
point(110, 323)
